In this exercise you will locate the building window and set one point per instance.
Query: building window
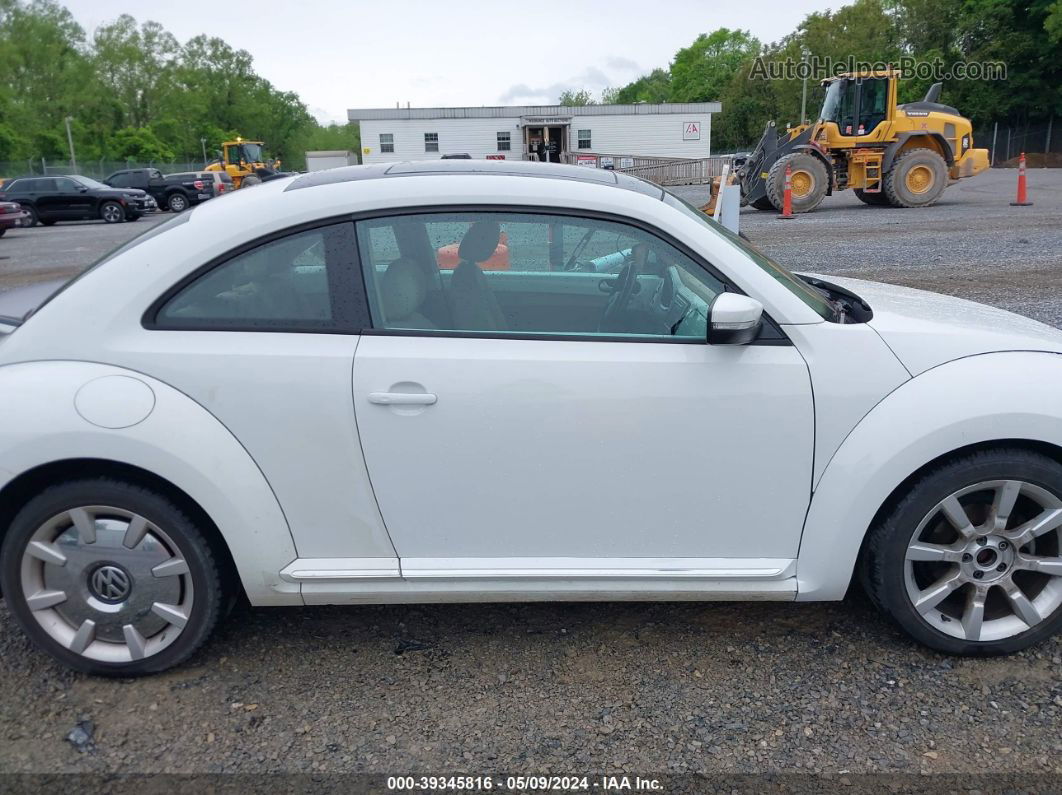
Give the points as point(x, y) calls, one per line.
point(431, 142)
point(584, 139)
point(503, 142)
point(387, 142)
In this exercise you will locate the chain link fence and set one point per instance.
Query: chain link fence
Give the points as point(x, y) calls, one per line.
point(1041, 142)
point(97, 169)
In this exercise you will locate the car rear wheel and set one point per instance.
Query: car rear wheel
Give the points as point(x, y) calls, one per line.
point(970, 559)
point(917, 178)
point(177, 203)
point(110, 578)
point(112, 212)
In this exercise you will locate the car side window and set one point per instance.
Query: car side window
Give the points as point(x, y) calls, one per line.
point(285, 284)
point(66, 185)
point(524, 274)
point(119, 180)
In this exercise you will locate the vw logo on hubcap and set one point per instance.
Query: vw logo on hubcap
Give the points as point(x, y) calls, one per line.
point(110, 583)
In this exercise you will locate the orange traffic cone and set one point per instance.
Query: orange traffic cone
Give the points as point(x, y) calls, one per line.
point(1023, 195)
point(787, 194)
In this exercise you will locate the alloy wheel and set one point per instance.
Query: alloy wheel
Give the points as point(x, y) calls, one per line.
point(985, 563)
point(106, 584)
point(112, 213)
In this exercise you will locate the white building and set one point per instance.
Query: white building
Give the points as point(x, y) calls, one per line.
point(532, 132)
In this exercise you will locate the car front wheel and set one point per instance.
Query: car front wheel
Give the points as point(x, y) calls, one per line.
point(110, 578)
point(969, 561)
point(112, 212)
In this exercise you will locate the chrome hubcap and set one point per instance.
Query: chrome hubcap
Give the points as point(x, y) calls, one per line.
point(986, 563)
point(111, 213)
point(107, 584)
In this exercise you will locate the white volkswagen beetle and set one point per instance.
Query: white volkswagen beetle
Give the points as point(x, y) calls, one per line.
point(467, 381)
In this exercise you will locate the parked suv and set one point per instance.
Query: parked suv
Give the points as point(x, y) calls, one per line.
point(175, 192)
point(75, 198)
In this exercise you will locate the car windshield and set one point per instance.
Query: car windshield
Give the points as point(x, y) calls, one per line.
point(798, 287)
point(252, 153)
point(832, 102)
point(88, 182)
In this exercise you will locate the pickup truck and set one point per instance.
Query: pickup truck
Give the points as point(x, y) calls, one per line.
point(175, 192)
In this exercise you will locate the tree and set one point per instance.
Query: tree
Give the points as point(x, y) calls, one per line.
point(572, 98)
point(653, 88)
point(701, 71)
point(139, 143)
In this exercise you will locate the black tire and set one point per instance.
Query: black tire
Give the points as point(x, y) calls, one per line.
point(763, 203)
point(250, 180)
point(209, 598)
point(901, 185)
point(32, 219)
point(133, 217)
point(804, 167)
point(177, 202)
point(112, 212)
point(3, 230)
point(878, 199)
point(882, 564)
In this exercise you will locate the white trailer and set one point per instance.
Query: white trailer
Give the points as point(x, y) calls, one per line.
point(334, 158)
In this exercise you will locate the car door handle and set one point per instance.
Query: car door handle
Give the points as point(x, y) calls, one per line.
point(403, 398)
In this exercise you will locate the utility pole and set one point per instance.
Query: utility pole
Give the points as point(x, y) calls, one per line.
point(202, 143)
point(804, 91)
point(1047, 143)
point(70, 140)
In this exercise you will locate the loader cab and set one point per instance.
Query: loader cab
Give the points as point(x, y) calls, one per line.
point(857, 109)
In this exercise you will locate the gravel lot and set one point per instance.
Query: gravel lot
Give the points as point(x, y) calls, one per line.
point(581, 688)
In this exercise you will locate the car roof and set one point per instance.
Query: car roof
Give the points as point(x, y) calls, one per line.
point(453, 167)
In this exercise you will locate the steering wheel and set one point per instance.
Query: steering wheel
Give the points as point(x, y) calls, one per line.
point(623, 289)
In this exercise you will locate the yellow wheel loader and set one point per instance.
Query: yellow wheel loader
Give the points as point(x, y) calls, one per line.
point(889, 154)
point(245, 162)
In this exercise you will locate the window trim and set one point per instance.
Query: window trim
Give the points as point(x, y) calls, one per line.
point(351, 277)
point(345, 314)
point(579, 139)
point(428, 143)
point(384, 144)
point(508, 141)
point(770, 333)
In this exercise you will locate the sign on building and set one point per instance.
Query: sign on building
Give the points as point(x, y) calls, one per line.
point(586, 160)
point(691, 131)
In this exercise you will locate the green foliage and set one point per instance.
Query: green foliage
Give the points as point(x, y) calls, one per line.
point(574, 98)
point(700, 71)
point(653, 88)
point(139, 143)
point(1023, 34)
point(133, 90)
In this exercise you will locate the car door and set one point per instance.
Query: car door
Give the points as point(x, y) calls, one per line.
point(263, 339)
point(72, 199)
point(559, 418)
point(46, 198)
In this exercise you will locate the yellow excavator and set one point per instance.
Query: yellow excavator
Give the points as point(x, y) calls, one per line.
point(889, 154)
point(246, 163)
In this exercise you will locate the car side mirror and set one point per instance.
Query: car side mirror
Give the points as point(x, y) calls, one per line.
point(734, 319)
point(82, 189)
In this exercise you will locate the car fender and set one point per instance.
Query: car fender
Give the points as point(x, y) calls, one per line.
point(974, 400)
point(61, 410)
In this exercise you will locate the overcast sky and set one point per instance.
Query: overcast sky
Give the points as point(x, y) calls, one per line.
point(339, 54)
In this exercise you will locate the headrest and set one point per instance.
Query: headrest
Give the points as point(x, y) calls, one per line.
point(479, 242)
point(402, 289)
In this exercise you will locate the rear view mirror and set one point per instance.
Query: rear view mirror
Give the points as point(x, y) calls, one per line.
point(734, 319)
